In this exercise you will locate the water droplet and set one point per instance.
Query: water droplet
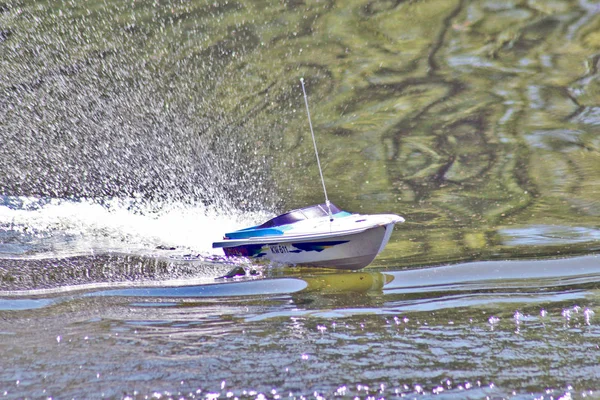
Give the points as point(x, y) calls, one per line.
point(518, 317)
point(588, 314)
point(341, 391)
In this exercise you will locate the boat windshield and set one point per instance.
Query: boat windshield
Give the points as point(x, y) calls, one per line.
point(316, 211)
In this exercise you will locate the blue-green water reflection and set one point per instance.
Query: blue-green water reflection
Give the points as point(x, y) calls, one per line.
point(131, 128)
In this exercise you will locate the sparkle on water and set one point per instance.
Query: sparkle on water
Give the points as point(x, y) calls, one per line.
point(133, 134)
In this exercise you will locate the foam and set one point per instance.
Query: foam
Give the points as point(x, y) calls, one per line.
point(62, 227)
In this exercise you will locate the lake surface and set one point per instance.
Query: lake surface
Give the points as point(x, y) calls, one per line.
point(135, 134)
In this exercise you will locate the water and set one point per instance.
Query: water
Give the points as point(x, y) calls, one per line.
point(135, 134)
point(501, 329)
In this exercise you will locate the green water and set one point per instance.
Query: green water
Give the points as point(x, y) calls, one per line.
point(477, 121)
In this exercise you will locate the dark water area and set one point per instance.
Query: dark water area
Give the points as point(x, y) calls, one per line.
point(133, 134)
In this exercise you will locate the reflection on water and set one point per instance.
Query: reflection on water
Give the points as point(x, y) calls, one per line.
point(475, 280)
point(467, 117)
point(500, 329)
point(551, 235)
point(129, 129)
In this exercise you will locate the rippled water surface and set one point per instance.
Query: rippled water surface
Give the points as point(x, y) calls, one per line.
point(514, 329)
point(133, 134)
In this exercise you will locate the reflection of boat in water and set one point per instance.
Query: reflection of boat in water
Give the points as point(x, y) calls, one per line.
point(346, 282)
point(320, 235)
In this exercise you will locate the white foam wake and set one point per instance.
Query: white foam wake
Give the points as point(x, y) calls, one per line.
point(59, 227)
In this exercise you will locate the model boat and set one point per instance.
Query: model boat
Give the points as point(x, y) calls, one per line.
point(321, 235)
point(318, 235)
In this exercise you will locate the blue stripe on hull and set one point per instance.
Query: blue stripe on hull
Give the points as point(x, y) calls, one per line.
point(258, 250)
point(317, 246)
point(249, 250)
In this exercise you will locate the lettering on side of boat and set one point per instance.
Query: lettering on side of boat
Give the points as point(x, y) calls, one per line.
point(279, 249)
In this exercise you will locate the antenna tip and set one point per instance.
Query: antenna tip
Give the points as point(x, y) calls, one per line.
point(301, 79)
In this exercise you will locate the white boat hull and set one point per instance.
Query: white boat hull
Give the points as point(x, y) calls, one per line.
point(349, 252)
